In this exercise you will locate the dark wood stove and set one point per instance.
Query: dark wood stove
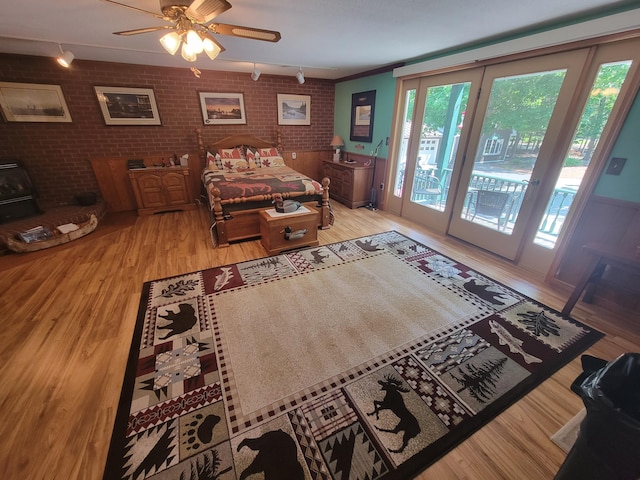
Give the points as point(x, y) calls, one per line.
point(17, 195)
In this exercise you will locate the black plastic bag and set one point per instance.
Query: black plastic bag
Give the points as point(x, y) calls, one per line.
point(608, 446)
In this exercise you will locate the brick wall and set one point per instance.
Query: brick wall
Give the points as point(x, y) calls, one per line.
point(57, 154)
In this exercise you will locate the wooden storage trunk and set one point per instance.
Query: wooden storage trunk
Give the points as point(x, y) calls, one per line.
point(273, 229)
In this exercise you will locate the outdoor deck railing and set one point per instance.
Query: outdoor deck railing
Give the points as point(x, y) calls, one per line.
point(554, 215)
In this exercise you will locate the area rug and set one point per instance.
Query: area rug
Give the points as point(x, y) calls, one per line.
point(364, 359)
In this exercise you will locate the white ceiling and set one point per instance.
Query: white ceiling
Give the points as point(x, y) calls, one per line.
point(328, 38)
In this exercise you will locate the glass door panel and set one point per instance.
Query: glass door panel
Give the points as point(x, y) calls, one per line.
point(603, 95)
point(433, 159)
point(521, 111)
point(439, 138)
point(513, 129)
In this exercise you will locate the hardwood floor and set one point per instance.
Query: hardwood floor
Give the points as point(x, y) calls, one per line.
point(68, 315)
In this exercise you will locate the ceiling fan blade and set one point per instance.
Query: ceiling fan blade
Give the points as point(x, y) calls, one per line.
point(203, 11)
point(244, 32)
point(136, 8)
point(143, 30)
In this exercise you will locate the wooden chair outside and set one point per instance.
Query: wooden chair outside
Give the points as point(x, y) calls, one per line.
point(492, 204)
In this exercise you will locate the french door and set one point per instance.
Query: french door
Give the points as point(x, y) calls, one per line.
point(496, 155)
point(433, 127)
point(499, 187)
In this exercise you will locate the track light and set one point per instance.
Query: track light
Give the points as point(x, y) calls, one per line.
point(300, 76)
point(255, 75)
point(65, 58)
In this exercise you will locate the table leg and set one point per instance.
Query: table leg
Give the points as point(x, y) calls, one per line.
point(590, 275)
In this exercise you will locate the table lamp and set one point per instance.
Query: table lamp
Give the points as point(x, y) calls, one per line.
point(336, 143)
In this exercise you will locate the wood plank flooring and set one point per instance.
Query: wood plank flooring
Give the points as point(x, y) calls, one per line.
point(67, 316)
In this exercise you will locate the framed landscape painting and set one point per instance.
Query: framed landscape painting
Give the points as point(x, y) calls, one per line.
point(32, 102)
point(128, 106)
point(222, 108)
point(294, 109)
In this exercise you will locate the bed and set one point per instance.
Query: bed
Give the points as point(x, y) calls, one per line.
point(240, 176)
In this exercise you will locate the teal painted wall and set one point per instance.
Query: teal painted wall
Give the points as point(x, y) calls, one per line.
point(385, 86)
point(625, 186)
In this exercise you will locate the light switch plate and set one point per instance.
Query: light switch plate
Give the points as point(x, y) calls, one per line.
point(615, 166)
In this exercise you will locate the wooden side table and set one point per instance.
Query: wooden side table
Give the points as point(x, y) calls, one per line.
point(602, 256)
point(286, 231)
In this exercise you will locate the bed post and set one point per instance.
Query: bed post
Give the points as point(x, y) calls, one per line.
point(218, 218)
point(201, 151)
point(326, 215)
point(278, 140)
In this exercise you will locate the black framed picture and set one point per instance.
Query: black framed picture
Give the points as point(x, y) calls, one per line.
point(362, 110)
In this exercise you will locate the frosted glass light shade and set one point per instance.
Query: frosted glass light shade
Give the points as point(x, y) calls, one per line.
point(171, 42)
point(211, 48)
point(194, 41)
point(188, 54)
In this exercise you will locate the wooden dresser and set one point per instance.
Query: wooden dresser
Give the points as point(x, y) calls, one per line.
point(162, 189)
point(350, 183)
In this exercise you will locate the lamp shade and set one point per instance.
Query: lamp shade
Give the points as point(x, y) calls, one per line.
point(337, 141)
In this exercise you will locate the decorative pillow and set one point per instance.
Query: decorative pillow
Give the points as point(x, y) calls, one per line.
point(270, 157)
point(253, 157)
point(212, 162)
point(226, 158)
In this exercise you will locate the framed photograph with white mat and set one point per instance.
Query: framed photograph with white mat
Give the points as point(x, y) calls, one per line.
point(294, 109)
point(32, 102)
point(128, 106)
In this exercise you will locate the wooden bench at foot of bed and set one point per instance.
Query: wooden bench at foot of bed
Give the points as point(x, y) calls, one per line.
point(245, 224)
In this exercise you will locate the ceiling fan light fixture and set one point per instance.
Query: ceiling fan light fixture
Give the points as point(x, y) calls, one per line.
point(211, 47)
point(65, 58)
point(194, 41)
point(171, 42)
point(300, 76)
point(255, 74)
point(188, 54)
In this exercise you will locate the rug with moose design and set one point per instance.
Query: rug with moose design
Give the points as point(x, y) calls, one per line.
point(364, 359)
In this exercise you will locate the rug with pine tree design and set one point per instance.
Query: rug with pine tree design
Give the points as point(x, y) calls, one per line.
point(364, 359)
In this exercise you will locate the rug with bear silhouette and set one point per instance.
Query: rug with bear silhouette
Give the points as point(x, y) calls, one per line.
point(364, 359)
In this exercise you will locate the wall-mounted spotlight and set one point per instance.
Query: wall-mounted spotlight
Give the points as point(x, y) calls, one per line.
point(300, 76)
point(255, 75)
point(65, 58)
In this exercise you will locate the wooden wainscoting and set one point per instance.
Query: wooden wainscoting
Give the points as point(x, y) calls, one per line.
point(308, 163)
point(611, 222)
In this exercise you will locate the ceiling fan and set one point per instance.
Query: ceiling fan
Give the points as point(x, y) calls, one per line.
point(190, 27)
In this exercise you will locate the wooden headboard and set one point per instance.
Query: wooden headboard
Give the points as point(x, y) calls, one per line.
point(236, 141)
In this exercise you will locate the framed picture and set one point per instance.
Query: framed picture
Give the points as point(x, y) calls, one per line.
point(362, 110)
point(222, 108)
point(294, 109)
point(128, 106)
point(32, 102)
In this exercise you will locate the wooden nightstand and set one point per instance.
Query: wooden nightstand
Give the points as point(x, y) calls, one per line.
point(350, 183)
point(273, 229)
point(162, 189)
